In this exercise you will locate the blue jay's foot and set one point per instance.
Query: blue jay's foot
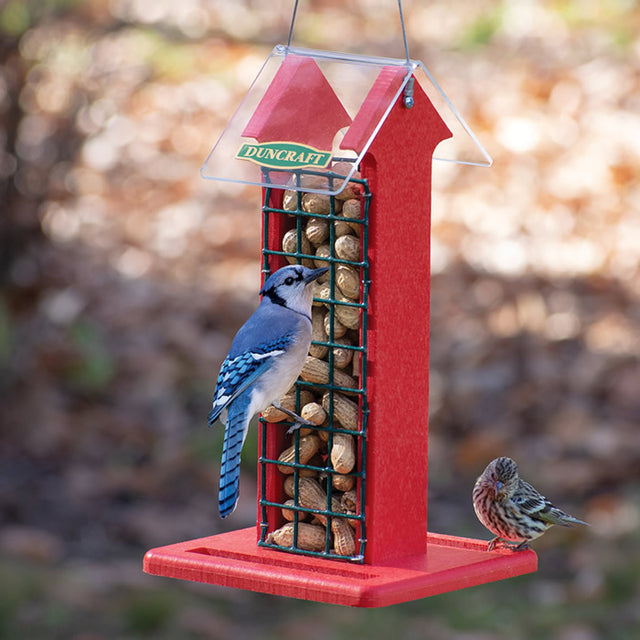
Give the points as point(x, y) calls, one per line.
point(298, 421)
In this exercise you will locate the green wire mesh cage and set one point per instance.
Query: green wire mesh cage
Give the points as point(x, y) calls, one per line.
point(323, 503)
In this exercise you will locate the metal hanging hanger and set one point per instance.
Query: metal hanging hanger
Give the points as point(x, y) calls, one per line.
point(408, 90)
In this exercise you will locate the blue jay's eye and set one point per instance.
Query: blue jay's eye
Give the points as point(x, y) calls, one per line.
point(289, 281)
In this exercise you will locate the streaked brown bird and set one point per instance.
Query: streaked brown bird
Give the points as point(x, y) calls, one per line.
point(511, 508)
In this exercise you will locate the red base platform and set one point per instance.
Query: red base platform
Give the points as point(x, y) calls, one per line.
point(234, 560)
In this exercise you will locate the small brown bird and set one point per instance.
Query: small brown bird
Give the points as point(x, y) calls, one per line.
point(511, 508)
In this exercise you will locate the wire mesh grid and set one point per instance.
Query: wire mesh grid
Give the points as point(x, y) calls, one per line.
point(335, 507)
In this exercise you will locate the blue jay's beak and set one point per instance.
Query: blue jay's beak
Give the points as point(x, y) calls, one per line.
point(315, 274)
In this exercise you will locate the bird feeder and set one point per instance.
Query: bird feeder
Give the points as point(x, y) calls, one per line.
point(355, 168)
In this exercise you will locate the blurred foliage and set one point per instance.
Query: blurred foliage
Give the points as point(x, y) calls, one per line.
point(5, 333)
point(481, 31)
point(93, 369)
point(125, 276)
point(16, 16)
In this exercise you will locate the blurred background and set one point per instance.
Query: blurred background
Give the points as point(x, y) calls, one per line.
point(125, 275)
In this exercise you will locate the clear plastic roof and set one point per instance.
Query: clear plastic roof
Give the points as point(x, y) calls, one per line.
point(300, 107)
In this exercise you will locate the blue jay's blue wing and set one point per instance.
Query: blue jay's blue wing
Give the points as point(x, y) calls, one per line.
point(238, 372)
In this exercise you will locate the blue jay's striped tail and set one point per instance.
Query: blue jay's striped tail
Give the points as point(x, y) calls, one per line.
point(234, 435)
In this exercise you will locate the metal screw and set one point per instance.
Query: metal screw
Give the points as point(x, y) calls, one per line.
point(407, 99)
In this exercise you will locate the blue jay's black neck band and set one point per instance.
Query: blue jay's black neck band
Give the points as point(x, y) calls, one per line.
point(304, 315)
point(274, 297)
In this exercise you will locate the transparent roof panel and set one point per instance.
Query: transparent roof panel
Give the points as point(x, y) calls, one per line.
point(299, 108)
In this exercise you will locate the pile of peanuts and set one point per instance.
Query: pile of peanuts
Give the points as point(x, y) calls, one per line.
point(340, 325)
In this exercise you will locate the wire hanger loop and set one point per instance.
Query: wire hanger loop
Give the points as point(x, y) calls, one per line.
point(407, 99)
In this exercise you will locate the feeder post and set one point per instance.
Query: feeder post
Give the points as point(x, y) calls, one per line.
point(398, 168)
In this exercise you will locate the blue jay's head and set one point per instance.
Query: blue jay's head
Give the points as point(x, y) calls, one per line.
point(291, 287)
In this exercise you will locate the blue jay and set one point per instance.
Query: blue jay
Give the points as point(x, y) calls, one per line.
point(265, 358)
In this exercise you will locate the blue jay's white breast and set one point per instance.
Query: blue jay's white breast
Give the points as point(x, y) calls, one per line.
point(272, 385)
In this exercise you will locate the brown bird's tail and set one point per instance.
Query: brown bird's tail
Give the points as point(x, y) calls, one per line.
point(559, 517)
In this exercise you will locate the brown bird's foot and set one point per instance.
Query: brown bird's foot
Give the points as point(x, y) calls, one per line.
point(492, 544)
point(507, 544)
point(522, 546)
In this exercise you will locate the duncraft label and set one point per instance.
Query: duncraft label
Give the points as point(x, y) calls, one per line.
point(283, 155)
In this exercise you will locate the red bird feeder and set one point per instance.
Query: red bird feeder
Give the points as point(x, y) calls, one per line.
point(349, 188)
